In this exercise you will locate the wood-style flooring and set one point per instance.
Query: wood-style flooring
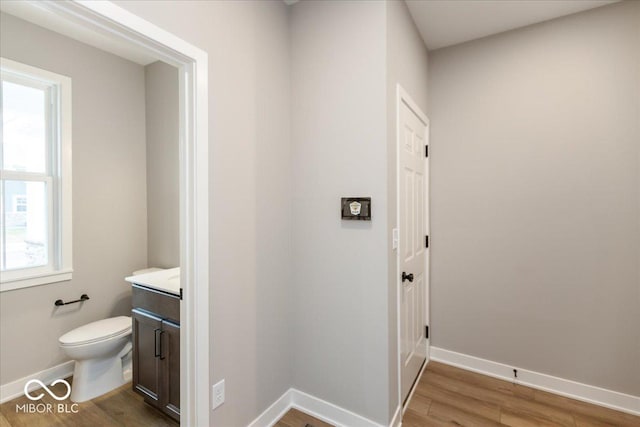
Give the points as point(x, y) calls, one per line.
point(448, 396)
point(295, 418)
point(444, 396)
point(118, 408)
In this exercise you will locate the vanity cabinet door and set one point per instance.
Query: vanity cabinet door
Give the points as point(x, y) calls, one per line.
point(147, 329)
point(170, 398)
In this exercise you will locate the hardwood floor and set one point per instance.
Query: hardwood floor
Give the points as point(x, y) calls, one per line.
point(295, 418)
point(450, 396)
point(444, 396)
point(118, 408)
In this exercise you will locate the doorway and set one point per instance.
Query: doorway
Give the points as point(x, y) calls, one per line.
point(116, 30)
point(413, 242)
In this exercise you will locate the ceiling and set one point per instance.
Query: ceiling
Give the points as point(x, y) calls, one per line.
point(440, 22)
point(447, 22)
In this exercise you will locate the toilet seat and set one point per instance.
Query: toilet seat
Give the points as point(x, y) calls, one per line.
point(100, 330)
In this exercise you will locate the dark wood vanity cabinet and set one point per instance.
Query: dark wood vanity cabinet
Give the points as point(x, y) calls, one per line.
point(156, 348)
point(171, 381)
point(146, 363)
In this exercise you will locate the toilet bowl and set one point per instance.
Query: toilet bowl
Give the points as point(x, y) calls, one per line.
point(101, 351)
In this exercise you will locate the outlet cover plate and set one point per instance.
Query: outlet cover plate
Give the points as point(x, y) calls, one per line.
point(217, 395)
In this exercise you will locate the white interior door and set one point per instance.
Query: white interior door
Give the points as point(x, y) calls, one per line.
point(412, 248)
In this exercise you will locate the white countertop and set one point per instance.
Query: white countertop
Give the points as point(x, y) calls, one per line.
point(163, 280)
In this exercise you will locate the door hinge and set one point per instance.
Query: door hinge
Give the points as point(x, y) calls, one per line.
point(426, 332)
point(426, 151)
point(426, 241)
point(180, 294)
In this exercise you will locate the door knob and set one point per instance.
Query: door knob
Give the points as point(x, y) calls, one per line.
point(406, 276)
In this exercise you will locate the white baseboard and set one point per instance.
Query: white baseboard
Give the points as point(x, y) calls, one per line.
point(328, 412)
point(572, 389)
point(273, 413)
point(15, 388)
point(323, 410)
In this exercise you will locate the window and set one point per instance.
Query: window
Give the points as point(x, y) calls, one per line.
point(20, 203)
point(35, 162)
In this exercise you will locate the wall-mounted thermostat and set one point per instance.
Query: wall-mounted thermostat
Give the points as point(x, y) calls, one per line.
point(356, 208)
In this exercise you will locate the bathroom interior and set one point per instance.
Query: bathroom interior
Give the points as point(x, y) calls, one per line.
point(125, 192)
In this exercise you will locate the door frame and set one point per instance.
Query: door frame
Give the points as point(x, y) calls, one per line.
point(113, 21)
point(403, 96)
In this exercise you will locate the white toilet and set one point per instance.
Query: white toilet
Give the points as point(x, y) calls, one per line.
point(102, 352)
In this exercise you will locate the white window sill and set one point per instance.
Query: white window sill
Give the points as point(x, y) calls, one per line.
point(35, 280)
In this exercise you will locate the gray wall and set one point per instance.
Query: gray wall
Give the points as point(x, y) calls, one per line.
point(407, 64)
point(163, 177)
point(250, 186)
point(535, 197)
point(317, 317)
point(109, 198)
point(338, 117)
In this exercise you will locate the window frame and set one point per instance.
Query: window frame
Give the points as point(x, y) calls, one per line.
point(57, 177)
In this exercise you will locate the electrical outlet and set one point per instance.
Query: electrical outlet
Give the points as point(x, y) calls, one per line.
point(217, 397)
